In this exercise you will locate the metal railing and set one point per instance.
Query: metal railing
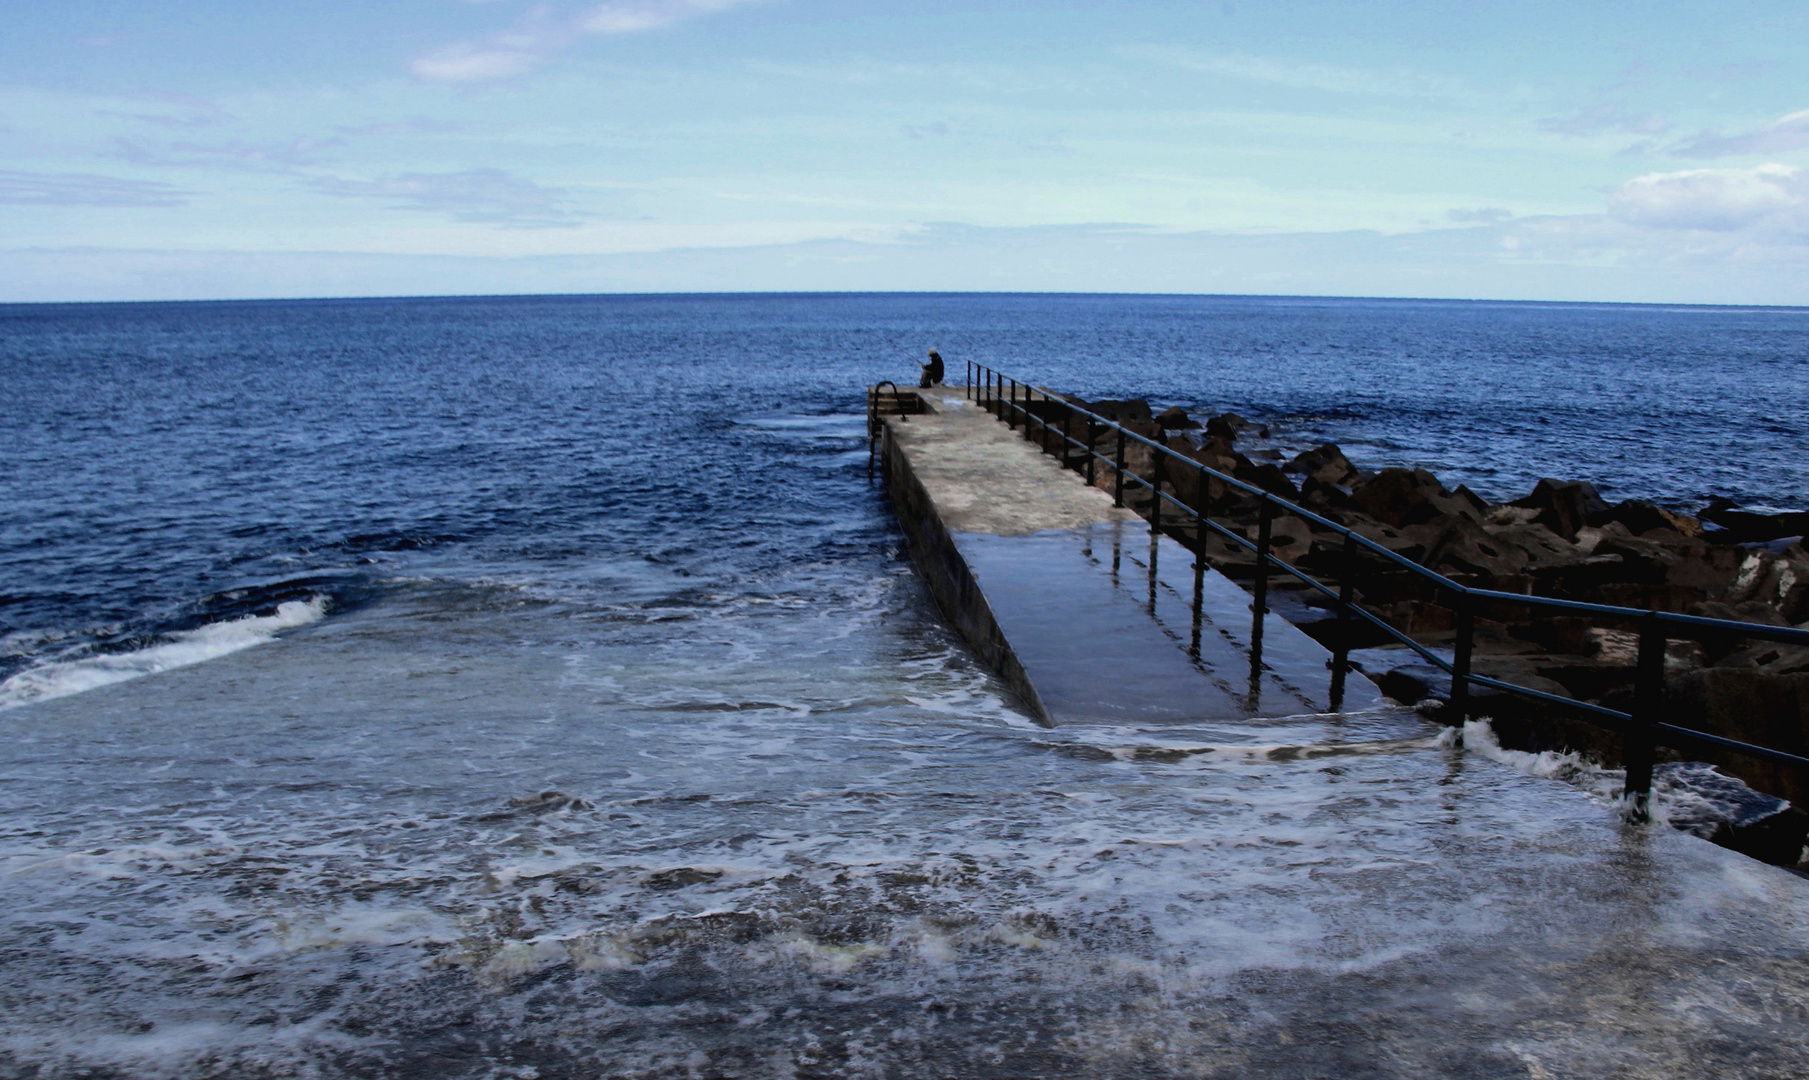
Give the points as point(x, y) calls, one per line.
point(1641, 728)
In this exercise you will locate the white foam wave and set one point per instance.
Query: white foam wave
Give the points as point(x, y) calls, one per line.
point(65, 677)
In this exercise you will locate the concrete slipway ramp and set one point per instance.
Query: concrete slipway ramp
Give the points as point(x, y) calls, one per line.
point(1086, 614)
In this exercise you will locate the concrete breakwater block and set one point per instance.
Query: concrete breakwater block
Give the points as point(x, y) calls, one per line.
point(1071, 600)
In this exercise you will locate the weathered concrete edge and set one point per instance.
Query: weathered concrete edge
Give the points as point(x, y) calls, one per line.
point(950, 579)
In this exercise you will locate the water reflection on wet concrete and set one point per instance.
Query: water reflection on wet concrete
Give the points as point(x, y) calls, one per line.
point(1104, 621)
point(473, 831)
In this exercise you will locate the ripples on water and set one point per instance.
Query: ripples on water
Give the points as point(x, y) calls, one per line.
point(600, 727)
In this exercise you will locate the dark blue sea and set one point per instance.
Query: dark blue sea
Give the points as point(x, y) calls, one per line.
point(539, 687)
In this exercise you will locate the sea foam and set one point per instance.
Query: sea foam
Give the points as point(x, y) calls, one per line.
point(61, 678)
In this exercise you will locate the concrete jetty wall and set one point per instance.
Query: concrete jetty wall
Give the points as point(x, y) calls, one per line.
point(950, 579)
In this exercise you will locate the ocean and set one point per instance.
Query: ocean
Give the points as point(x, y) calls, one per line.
point(538, 686)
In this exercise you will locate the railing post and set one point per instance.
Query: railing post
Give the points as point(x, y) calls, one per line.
point(1637, 751)
point(1463, 644)
point(1011, 415)
point(1347, 585)
point(1199, 555)
point(970, 380)
point(1118, 477)
point(1155, 527)
point(1156, 476)
point(1265, 531)
point(1092, 458)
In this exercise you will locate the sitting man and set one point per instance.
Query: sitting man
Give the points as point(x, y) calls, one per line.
point(932, 371)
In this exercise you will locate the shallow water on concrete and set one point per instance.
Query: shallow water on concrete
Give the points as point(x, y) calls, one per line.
point(1103, 621)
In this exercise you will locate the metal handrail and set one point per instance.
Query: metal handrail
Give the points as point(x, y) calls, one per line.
point(999, 393)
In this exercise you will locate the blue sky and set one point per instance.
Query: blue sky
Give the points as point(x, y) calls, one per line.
point(1574, 151)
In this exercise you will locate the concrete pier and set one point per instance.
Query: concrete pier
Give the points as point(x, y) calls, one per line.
point(1086, 613)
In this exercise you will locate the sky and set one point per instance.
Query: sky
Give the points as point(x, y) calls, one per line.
point(202, 149)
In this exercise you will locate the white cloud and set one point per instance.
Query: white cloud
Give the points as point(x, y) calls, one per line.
point(1786, 133)
point(1480, 214)
point(1605, 119)
point(1772, 197)
point(538, 36)
point(85, 189)
point(1302, 75)
point(487, 196)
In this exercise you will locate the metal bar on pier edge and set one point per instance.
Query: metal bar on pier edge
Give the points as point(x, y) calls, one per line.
point(1463, 645)
point(1118, 479)
point(1011, 417)
point(1637, 750)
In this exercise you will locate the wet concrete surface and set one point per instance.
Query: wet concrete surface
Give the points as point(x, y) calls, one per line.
point(1099, 615)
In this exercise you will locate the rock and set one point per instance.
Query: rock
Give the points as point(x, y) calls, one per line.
point(1589, 537)
point(1644, 517)
point(1413, 683)
point(1769, 657)
point(1540, 545)
point(1325, 464)
point(1725, 811)
point(1460, 544)
point(1401, 497)
point(1231, 425)
point(1563, 507)
point(1644, 561)
point(1269, 477)
point(1119, 412)
point(1752, 707)
point(1740, 526)
point(1289, 538)
point(1508, 514)
point(1175, 418)
point(1780, 581)
point(1320, 496)
point(1752, 611)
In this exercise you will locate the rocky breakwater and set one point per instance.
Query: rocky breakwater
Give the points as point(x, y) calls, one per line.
point(1562, 540)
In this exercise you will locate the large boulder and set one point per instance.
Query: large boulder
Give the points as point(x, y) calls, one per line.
point(1779, 580)
point(1231, 425)
point(1269, 477)
point(1540, 545)
point(1643, 517)
point(1325, 464)
point(1119, 412)
point(1175, 418)
point(1741, 526)
point(1751, 707)
point(1563, 507)
point(1459, 544)
point(1401, 497)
